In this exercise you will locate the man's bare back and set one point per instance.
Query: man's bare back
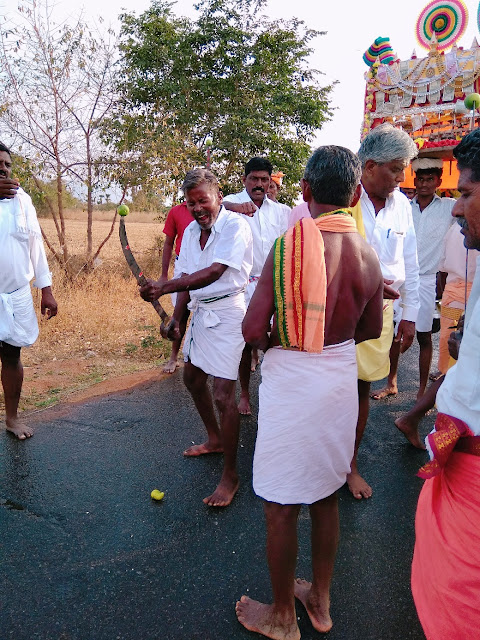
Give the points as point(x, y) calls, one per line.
point(354, 289)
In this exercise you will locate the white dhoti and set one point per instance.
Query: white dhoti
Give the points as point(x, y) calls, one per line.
point(306, 424)
point(427, 292)
point(18, 322)
point(214, 340)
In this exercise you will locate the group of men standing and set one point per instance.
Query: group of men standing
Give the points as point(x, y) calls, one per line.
point(220, 261)
point(346, 273)
point(332, 301)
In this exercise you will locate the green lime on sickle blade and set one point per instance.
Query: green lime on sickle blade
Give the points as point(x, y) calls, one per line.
point(123, 210)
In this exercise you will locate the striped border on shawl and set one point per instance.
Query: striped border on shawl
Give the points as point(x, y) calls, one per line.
point(297, 267)
point(278, 257)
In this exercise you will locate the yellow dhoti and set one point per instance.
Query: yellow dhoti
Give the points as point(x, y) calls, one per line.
point(373, 360)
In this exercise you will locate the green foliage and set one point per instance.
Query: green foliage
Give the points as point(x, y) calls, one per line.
point(232, 75)
point(23, 171)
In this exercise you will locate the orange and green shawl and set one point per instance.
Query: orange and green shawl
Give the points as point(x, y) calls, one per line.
point(300, 280)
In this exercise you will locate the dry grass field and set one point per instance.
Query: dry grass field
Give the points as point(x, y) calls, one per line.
point(104, 332)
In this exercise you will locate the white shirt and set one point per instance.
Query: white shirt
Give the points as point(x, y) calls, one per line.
point(230, 242)
point(285, 208)
point(267, 224)
point(392, 235)
point(22, 254)
point(459, 395)
point(431, 226)
point(453, 261)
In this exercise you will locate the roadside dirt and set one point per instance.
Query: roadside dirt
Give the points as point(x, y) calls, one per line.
point(38, 382)
point(76, 380)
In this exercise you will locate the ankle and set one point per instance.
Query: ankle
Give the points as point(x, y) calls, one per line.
point(285, 612)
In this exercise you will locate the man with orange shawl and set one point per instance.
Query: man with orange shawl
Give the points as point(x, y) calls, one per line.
point(446, 566)
point(326, 295)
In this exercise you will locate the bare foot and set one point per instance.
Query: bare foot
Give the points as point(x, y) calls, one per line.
point(263, 619)
point(170, 366)
point(384, 393)
point(224, 493)
point(357, 485)
point(202, 449)
point(18, 429)
point(409, 428)
point(244, 406)
point(318, 610)
point(435, 376)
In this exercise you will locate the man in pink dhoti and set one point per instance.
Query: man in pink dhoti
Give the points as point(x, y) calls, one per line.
point(446, 566)
point(326, 295)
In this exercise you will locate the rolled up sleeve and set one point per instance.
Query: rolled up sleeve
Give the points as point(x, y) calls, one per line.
point(235, 238)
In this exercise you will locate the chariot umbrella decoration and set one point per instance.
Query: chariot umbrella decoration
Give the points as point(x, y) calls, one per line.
point(447, 19)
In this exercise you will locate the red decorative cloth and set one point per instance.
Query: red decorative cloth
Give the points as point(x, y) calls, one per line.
point(448, 431)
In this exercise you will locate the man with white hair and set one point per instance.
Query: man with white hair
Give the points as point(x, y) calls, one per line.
point(384, 217)
point(432, 218)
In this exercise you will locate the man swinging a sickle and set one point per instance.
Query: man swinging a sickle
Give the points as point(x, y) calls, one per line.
point(215, 261)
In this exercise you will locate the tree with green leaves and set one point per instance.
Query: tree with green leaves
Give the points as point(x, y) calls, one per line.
point(56, 83)
point(231, 74)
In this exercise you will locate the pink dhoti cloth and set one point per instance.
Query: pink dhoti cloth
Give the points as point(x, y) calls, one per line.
point(446, 561)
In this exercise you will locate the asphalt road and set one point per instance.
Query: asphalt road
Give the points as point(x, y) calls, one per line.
point(87, 555)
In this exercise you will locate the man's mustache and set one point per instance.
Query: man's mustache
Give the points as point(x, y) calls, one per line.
point(261, 189)
point(463, 223)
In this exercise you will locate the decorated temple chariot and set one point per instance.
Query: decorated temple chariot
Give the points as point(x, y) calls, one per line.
point(434, 97)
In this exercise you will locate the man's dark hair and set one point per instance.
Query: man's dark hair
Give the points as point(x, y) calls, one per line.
point(435, 171)
point(467, 154)
point(258, 164)
point(4, 147)
point(333, 174)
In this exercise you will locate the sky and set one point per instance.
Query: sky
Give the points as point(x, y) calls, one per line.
point(351, 26)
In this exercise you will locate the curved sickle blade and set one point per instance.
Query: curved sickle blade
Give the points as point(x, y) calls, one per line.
point(137, 272)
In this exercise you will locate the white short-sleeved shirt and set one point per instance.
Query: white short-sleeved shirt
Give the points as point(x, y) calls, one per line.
point(431, 226)
point(454, 258)
point(22, 254)
point(459, 395)
point(230, 243)
point(392, 234)
point(267, 224)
